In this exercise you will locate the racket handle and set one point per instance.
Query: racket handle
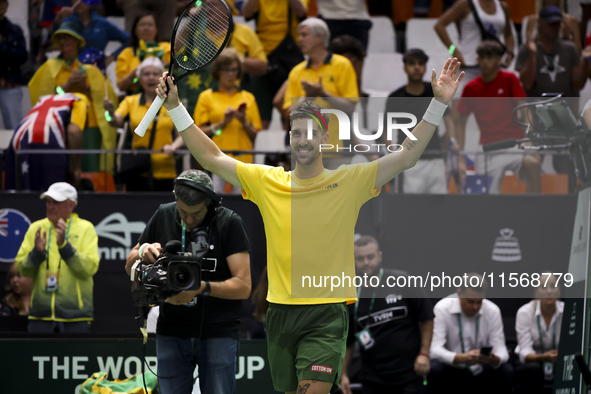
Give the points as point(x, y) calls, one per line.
point(149, 117)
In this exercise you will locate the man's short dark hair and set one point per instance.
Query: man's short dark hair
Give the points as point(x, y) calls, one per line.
point(415, 54)
point(191, 196)
point(347, 44)
point(489, 47)
point(478, 285)
point(310, 110)
point(366, 240)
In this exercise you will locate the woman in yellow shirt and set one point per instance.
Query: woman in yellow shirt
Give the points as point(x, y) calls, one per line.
point(143, 44)
point(227, 113)
point(166, 138)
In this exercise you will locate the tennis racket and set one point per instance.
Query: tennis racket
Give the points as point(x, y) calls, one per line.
point(200, 34)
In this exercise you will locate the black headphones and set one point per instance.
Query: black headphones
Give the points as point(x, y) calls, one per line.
point(216, 200)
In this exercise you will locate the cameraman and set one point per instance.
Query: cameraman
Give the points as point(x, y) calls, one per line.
point(199, 330)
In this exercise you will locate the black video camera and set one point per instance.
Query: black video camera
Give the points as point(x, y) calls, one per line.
point(171, 274)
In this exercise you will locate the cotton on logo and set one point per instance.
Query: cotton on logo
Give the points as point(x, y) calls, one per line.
point(321, 368)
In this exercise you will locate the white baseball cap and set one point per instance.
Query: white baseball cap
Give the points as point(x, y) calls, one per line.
point(61, 191)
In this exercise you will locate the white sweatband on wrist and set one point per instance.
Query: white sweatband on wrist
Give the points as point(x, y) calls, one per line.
point(434, 112)
point(141, 251)
point(181, 118)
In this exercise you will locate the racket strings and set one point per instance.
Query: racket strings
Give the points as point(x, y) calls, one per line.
point(201, 33)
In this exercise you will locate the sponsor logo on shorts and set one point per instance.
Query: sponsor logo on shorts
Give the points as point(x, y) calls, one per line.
point(321, 368)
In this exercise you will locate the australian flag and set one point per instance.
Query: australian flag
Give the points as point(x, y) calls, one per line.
point(44, 127)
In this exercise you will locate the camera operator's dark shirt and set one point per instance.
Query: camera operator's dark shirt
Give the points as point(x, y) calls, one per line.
point(211, 317)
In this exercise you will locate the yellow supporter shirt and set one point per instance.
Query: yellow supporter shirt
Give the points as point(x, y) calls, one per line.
point(210, 108)
point(79, 111)
point(136, 107)
point(127, 61)
point(272, 22)
point(309, 227)
point(246, 42)
point(338, 79)
point(62, 77)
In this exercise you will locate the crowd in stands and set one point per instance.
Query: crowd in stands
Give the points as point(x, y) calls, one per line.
point(300, 48)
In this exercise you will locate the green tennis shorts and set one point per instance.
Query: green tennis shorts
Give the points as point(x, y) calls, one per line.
point(306, 342)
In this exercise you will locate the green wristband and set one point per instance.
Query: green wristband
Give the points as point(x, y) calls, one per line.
point(59, 90)
point(452, 49)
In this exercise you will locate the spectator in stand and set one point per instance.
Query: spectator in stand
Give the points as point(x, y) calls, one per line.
point(493, 116)
point(252, 55)
point(50, 116)
point(538, 336)
point(163, 171)
point(16, 302)
point(495, 18)
point(13, 52)
point(324, 75)
point(395, 358)
point(51, 9)
point(97, 30)
point(65, 74)
point(228, 114)
point(552, 65)
point(143, 44)
point(428, 175)
point(278, 35)
point(164, 12)
point(464, 325)
point(569, 29)
point(348, 17)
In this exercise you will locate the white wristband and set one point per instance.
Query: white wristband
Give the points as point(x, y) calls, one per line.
point(141, 251)
point(434, 112)
point(181, 118)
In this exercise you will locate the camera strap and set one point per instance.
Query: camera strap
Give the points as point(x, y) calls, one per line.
point(206, 264)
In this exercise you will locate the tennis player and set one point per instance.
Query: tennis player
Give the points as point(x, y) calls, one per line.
point(310, 215)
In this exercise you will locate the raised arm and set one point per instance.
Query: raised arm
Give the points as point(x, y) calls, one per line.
point(444, 89)
point(201, 146)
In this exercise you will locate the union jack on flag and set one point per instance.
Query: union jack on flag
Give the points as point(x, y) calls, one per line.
point(45, 120)
point(44, 127)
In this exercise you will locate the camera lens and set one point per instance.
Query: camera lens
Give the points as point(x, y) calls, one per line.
point(182, 276)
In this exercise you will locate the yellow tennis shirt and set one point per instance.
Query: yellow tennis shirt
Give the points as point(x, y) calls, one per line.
point(310, 228)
